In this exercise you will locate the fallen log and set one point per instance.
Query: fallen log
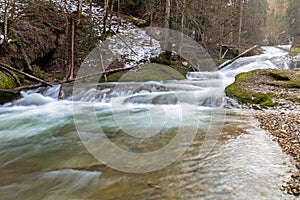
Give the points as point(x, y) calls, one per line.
point(237, 57)
point(97, 74)
point(5, 66)
point(18, 89)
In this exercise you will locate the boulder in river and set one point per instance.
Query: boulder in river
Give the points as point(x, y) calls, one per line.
point(152, 72)
point(267, 87)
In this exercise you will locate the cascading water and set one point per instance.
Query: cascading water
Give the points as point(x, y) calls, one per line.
point(42, 155)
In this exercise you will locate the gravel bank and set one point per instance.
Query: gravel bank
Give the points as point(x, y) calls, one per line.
point(285, 127)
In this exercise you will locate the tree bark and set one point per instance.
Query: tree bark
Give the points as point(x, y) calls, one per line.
point(2, 65)
point(241, 21)
point(71, 72)
point(79, 11)
point(91, 10)
point(118, 15)
point(105, 18)
point(237, 57)
point(167, 14)
point(111, 11)
point(167, 45)
point(6, 4)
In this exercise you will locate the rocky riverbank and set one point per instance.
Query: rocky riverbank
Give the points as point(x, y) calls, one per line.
point(285, 127)
point(274, 94)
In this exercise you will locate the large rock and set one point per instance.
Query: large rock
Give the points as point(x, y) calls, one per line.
point(268, 87)
point(152, 72)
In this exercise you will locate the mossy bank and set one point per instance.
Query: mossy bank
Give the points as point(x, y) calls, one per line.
point(8, 81)
point(267, 87)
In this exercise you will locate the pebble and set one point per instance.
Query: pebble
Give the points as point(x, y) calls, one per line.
point(284, 126)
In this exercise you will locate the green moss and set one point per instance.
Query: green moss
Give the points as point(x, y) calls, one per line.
point(139, 22)
point(114, 77)
point(153, 72)
point(6, 83)
point(280, 76)
point(251, 53)
point(279, 84)
point(294, 51)
point(60, 77)
point(38, 73)
point(20, 77)
point(161, 59)
point(245, 96)
point(285, 78)
point(181, 69)
point(220, 61)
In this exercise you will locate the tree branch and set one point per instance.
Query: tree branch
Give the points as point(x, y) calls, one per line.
point(5, 66)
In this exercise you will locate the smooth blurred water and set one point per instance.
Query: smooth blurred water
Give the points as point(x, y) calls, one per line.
point(42, 155)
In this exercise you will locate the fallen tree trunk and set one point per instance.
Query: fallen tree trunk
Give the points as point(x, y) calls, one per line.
point(18, 89)
point(97, 74)
point(5, 66)
point(237, 57)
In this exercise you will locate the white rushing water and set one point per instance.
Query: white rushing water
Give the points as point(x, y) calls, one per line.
point(43, 157)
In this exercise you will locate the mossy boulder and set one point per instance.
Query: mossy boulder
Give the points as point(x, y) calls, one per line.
point(268, 87)
point(7, 82)
point(152, 72)
point(294, 51)
point(139, 22)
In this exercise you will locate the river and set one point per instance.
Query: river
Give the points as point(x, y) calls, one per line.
point(47, 152)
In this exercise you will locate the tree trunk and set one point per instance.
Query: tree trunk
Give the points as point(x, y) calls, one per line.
point(111, 11)
point(105, 18)
point(241, 21)
point(167, 45)
point(6, 4)
point(79, 11)
point(13, 7)
point(118, 15)
point(91, 10)
point(183, 15)
point(167, 14)
point(71, 72)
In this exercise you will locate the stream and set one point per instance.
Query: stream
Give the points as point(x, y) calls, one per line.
point(47, 152)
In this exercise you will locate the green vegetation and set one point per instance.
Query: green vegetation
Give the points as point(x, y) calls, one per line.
point(285, 79)
point(153, 72)
point(6, 83)
point(245, 96)
point(265, 87)
point(38, 73)
point(294, 51)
